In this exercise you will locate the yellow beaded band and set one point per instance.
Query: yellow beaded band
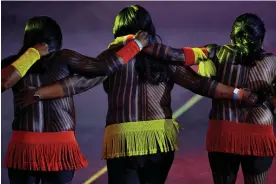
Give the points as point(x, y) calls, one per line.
point(24, 62)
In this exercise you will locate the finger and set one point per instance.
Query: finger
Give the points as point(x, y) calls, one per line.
point(138, 33)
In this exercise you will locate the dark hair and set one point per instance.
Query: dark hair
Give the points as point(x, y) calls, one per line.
point(250, 23)
point(129, 21)
point(41, 29)
point(251, 28)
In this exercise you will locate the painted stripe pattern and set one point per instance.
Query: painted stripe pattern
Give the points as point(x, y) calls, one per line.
point(131, 100)
point(256, 78)
point(59, 114)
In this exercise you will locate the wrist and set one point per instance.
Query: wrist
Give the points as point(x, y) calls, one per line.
point(140, 45)
point(128, 51)
point(127, 39)
point(37, 96)
point(194, 55)
point(36, 51)
point(26, 60)
point(238, 94)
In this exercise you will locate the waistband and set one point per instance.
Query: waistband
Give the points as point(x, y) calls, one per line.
point(43, 137)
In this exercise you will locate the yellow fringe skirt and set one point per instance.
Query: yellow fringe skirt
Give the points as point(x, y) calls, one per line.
point(140, 138)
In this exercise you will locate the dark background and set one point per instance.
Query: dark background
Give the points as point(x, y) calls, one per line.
point(87, 28)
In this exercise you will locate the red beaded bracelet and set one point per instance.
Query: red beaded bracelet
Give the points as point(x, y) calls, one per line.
point(130, 50)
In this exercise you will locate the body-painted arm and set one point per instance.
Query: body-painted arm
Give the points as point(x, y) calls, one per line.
point(9, 75)
point(105, 64)
point(187, 56)
point(187, 78)
point(67, 87)
point(14, 68)
point(86, 72)
point(12, 73)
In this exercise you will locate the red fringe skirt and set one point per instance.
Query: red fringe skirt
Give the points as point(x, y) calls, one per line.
point(50, 151)
point(241, 138)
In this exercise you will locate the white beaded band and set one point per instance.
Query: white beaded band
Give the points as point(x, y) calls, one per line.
point(139, 44)
point(236, 94)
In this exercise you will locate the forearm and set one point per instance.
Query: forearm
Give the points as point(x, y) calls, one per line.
point(9, 77)
point(185, 56)
point(204, 87)
point(187, 78)
point(105, 64)
point(224, 92)
point(11, 74)
point(52, 91)
point(215, 90)
point(68, 87)
point(166, 53)
point(78, 84)
point(26, 61)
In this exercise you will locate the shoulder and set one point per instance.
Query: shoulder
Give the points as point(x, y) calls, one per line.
point(219, 50)
point(212, 50)
point(270, 59)
point(108, 52)
point(67, 56)
point(65, 52)
point(224, 52)
point(269, 55)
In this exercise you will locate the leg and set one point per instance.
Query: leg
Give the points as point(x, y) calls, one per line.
point(60, 177)
point(155, 168)
point(23, 177)
point(224, 167)
point(122, 170)
point(255, 169)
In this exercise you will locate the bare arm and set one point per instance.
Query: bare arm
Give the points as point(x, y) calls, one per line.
point(187, 78)
point(108, 62)
point(68, 87)
point(86, 72)
point(9, 77)
point(187, 56)
point(14, 68)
